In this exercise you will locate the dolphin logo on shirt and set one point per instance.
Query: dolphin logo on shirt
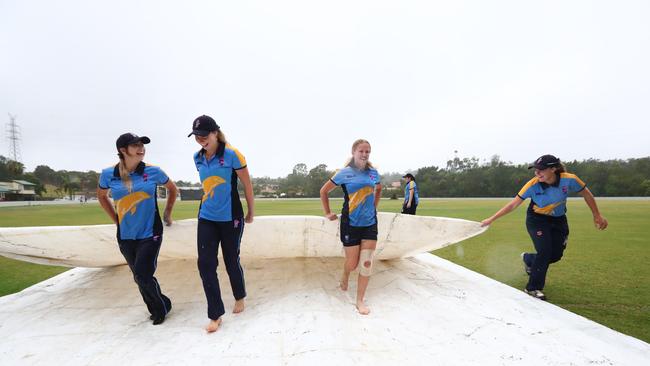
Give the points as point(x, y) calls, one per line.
point(209, 184)
point(129, 203)
point(359, 196)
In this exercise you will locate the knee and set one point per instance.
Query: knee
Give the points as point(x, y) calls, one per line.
point(366, 259)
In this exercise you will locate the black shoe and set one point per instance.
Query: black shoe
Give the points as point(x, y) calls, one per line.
point(169, 306)
point(538, 294)
point(158, 319)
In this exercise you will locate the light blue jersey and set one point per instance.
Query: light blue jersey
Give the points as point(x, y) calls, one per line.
point(137, 211)
point(220, 201)
point(359, 194)
point(407, 191)
point(550, 200)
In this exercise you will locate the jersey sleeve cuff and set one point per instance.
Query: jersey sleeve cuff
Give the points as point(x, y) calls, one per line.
point(333, 182)
point(241, 167)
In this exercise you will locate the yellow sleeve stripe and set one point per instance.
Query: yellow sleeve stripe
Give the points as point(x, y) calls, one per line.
point(574, 177)
point(527, 186)
point(241, 158)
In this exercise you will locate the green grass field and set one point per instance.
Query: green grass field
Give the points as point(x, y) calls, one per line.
point(603, 276)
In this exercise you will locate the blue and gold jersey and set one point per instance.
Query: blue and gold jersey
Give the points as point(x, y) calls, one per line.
point(407, 191)
point(137, 211)
point(550, 200)
point(359, 194)
point(220, 201)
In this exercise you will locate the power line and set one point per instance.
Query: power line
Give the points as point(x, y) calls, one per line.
point(13, 135)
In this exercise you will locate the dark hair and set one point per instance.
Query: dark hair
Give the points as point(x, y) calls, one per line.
point(559, 169)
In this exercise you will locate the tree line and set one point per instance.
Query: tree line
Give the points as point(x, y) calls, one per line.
point(468, 177)
point(497, 178)
point(60, 182)
point(461, 177)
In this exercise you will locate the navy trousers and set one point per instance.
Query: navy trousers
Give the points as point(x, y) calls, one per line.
point(209, 235)
point(411, 210)
point(549, 235)
point(142, 257)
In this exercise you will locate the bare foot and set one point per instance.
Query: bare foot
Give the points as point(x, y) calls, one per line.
point(239, 306)
point(343, 283)
point(213, 326)
point(363, 309)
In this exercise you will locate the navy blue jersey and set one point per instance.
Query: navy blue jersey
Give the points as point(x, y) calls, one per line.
point(359, 198)
point(220, 201)
point(550, 200)
point(137, 211)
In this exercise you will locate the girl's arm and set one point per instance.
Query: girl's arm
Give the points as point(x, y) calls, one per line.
point(245, 178)
point(325, 201)
point(599, 221)
point(105, 202)
point(503, 211)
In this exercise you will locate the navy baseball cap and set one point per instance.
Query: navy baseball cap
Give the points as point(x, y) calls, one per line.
point(408, 175)
point(129, 138)
point(545, 162)
point(203, 125)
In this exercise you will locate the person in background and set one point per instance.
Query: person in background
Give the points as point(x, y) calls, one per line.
point(411, 195)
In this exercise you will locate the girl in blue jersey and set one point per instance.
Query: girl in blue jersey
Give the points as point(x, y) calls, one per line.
point(133, 185)
point(546, 220)
point(361, 190)
point(411, 195)
point(221, 217)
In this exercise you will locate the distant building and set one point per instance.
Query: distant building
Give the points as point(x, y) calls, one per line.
point(17, 190)
point(269, 190)
point(397, 184)
point(190, 193)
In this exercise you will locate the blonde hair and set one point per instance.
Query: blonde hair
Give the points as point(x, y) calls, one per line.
point(221, 137)
point(124, 173)
point(356, 144)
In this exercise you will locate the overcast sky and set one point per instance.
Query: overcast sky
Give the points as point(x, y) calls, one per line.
point(299, 81)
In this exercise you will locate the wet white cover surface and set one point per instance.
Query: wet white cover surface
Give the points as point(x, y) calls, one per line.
point(267, 237)
point(425, 310)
